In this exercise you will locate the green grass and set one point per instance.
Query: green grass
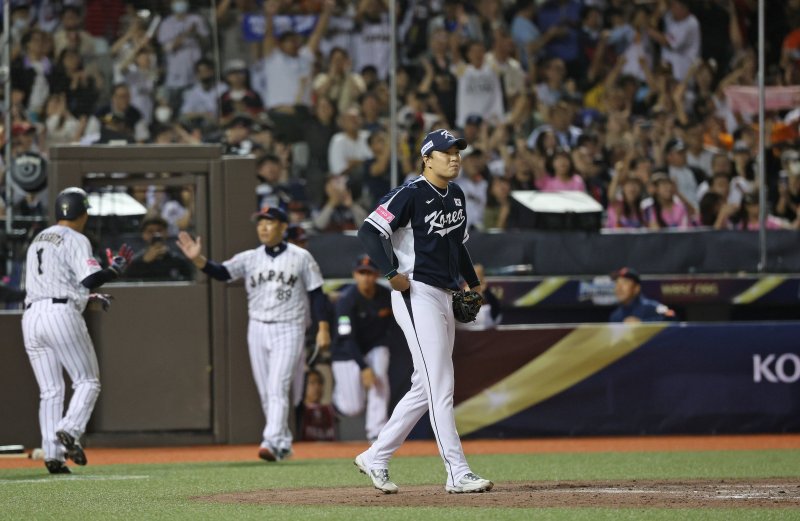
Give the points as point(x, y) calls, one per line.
point(166, 491)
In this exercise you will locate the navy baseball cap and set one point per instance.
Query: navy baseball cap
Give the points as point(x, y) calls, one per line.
point(441, 140)
point(271, 212)
point(364, 263)
point(627, 273)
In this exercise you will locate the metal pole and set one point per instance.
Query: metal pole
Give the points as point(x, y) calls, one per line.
point(762, 177)
point(5, 72)
point(215, 50)
point(394, 177)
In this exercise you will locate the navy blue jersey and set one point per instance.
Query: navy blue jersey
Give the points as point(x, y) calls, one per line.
point(427, 227)
point(644, 309)
point(361, 323)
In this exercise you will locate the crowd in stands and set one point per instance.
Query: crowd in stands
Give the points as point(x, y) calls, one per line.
point(648, 106)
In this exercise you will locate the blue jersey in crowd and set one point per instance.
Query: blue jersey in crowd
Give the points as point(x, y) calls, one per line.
point(644, 309)
point(361, 323)
point(427, 227)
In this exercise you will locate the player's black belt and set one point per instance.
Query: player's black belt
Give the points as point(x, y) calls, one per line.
point(54, 300)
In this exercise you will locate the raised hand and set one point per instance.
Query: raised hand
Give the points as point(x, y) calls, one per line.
point(190, 247)
point(120, 261)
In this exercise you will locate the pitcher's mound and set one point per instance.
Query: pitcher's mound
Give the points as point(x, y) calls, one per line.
point(763, 493)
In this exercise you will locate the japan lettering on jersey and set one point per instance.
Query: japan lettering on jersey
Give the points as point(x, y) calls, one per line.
point(277, 286)
point(426, 228)
point(58, 259)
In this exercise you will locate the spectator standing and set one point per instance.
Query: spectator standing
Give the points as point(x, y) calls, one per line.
point(80, 87)
point(681, 39)
point(371, 38)
point(317, 134)
point(339, 84)
point(348, 149)
point(439, 77)
point(287, 64)
point(182, 36)
point(30, 72)
point(474, 184)
point(479, 90)
point(200, 101)
point(563, 16)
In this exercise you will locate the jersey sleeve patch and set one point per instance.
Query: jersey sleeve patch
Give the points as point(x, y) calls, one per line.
point(385, 214)
point(92, 263)
point(344, 327)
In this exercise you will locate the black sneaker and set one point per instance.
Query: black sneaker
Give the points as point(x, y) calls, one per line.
point(74, 449)
point(56, 467)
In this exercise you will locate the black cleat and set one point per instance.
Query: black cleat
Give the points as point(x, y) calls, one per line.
point(74, 449)
point(56, 467)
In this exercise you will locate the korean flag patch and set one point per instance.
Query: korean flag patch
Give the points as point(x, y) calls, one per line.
point(457, 200)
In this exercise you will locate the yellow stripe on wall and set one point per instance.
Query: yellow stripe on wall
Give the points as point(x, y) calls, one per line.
point(759, 289)
point(542, 290)
point(580, 354)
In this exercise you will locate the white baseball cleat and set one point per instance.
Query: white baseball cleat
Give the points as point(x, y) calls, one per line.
point(380, 477)
point(470, 483)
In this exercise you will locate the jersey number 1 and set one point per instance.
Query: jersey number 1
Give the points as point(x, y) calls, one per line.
point(39, 258)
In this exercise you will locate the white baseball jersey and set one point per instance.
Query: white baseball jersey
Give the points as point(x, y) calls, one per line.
point(277, 286)
point(59, 258)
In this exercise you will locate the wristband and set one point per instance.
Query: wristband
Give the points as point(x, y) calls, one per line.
point(390, 275)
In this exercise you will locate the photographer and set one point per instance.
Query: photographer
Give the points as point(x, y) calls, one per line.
point(156, 261)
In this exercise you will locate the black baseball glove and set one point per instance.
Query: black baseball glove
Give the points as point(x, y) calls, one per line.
point(466, 305)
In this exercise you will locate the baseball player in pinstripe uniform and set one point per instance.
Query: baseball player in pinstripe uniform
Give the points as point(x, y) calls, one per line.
point(279, 278)
point(360, 353)
point(60, 272)
point(424, 222)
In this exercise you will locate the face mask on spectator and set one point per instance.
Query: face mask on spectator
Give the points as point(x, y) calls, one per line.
point(180, 7)
point(237, 95)
point(163, 114)
point(20, 24)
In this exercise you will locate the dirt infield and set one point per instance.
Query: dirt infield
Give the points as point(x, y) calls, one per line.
point(776, 493)
point(210, 453)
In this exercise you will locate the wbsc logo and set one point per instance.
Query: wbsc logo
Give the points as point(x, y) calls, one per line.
point(775, 369)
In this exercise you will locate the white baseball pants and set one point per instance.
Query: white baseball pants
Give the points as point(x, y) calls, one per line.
point(56, 338)
point(274, 350)
point(349, 396)
point(425, 314)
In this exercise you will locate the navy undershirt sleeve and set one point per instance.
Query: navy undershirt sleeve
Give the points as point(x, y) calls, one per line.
point(375, 245)
point(216, 271)
point(466, 268)
point(98, 278)
point(318, 305)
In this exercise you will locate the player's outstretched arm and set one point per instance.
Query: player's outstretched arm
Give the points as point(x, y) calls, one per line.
point(192, 248)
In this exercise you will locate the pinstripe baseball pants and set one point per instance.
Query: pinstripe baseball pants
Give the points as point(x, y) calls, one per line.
point(56, 338)
point(349, 396)
point(274, 350)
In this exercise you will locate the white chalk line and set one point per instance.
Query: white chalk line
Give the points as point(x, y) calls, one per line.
point(58, 479)
point(723, 493)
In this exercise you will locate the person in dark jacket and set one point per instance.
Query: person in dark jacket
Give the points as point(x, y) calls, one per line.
point(633, 306)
